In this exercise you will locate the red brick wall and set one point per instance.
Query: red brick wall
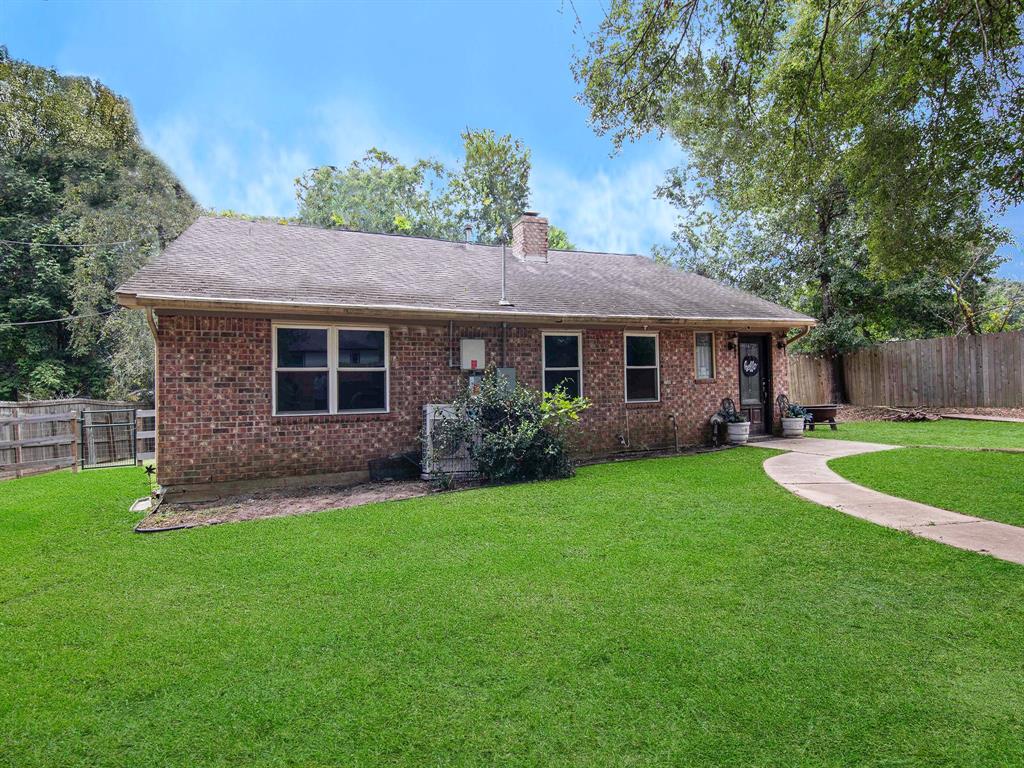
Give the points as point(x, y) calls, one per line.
point(214, 398)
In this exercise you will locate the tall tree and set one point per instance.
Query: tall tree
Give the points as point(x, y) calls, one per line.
point(380, 194)
point(803, 120)
point(82, 205)
point(493, 188)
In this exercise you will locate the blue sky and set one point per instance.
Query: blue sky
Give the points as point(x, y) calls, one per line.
point(239, 99)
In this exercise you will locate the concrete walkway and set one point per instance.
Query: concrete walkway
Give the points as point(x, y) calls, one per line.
point(804, 470)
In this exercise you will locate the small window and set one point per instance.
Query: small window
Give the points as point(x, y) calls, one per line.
point(642, 383)
point(362, 370)
point(705, 355)
point(330, 370)
point(302, 370)
point(563, 363)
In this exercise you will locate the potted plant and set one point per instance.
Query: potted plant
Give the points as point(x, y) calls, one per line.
point(793, 421)
point(738, 428)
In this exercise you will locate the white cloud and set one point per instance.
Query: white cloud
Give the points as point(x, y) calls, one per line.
point(613, 209)
point(237, 165)
point(248, 174)
point(345, 130)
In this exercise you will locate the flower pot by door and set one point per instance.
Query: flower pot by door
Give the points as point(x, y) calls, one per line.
point(793, 426)
point(739, 433)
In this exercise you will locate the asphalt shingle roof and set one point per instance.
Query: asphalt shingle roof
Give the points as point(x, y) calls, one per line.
point(232, 260)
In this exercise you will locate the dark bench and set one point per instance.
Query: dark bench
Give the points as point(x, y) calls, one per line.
point(822, 413)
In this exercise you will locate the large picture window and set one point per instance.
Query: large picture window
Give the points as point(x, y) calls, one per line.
point(330, 370)
point(704, 355)
point(642, 383)
point(563, 362)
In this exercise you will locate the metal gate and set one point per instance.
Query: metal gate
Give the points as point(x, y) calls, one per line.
point(107, 438)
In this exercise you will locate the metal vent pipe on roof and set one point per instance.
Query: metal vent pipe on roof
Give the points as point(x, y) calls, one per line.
point(503, 302)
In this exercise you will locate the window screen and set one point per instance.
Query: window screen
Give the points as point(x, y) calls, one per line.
point(641, 367)
point(705, 355)
point(563, 364)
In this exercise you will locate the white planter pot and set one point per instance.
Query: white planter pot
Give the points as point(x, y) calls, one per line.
point(793, 426)
point(739, 433)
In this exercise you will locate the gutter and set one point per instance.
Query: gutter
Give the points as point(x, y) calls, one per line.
point(265, 307)
point(803, 332)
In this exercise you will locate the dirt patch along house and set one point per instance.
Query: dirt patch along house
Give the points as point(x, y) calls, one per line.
point(292, 351)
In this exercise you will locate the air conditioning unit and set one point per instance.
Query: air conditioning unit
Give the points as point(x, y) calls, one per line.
point(438, 460)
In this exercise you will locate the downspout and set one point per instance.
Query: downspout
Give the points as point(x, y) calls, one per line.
point(151, 322)
point(451, 343)
point(504, 345)
point(153, 328)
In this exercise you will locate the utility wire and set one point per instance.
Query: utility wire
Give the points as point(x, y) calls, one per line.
point(68, 245)
point(4, 323)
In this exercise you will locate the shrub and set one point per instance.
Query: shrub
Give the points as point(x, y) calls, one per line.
point(513, 432)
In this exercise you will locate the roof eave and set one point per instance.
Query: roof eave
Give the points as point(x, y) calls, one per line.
point(266, 308)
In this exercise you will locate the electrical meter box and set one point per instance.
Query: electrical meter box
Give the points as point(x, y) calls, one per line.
point(473, 355)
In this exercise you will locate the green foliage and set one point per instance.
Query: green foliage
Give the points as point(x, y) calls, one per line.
point(380, 194)
point(494, 186)
point(794, 411)
point(512, 432)
point(729, 414)
point(827, 144)
point(73, 171)
point(558, 240)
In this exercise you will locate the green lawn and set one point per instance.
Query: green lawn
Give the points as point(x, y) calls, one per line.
point(683, 611)
point(951, 432)
point(984, 484)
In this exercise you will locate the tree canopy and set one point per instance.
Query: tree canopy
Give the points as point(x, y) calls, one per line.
point(378, 193)
point(82, 206)
point(828, 142)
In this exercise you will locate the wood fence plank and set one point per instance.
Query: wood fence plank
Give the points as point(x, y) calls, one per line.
point(950, 372)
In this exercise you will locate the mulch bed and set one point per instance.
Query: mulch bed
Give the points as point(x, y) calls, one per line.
point(277, 503)
point(877, 413)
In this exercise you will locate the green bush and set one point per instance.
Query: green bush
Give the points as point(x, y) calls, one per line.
point(513, 432)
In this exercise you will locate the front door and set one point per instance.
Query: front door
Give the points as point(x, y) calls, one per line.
point(755, 383)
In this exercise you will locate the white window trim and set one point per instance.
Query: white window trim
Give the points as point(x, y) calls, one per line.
point(579, 355)
point(656, 367)
point(332, 369)
point(714, 357)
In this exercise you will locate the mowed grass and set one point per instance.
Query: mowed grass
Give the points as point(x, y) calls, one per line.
point(683, 611)
point(951, 432)
point(985, 484)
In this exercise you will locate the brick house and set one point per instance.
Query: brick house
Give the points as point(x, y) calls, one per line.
point(290, 351)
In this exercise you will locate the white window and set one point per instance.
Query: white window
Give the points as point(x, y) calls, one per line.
point(704, 355)
point(562, 355)
point(642, 380)
point(330, 369)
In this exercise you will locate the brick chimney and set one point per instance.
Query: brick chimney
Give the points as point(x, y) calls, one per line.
point(530, 237)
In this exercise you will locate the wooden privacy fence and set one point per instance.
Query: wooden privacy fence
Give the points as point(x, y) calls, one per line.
point(985, 371)
point(39, 436)
point(810, 379)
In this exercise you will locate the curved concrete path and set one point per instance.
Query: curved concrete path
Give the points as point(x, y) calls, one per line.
point(804, 470)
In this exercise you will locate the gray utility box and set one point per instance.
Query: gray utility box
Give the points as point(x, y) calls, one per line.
point(473, 354)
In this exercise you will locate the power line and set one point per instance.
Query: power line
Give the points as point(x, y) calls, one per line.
point(68, 245)
point(4, 323)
